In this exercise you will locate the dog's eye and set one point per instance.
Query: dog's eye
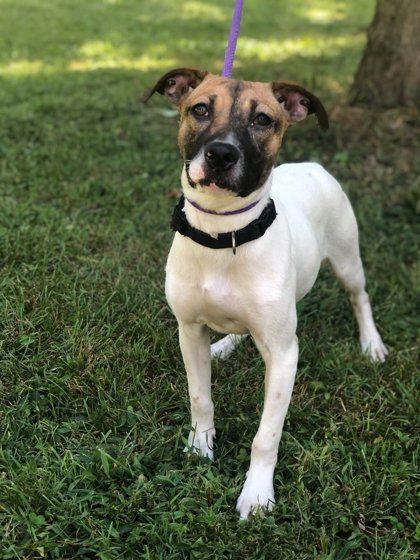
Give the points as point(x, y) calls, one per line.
point(200, 110)
point(262, 120)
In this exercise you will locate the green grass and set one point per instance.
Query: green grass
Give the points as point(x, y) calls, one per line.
point(93, 398)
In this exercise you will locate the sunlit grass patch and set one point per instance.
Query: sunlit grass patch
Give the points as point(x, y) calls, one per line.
point(105, 54)
point(23, 68)
point(305, 46)
point(204, 10)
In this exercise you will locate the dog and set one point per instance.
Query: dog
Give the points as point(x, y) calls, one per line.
point(248, 245)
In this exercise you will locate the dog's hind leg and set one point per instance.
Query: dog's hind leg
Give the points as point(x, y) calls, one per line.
point(224, 347)
point(344, 256)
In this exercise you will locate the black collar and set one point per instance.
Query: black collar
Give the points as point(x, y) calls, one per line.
point(231, 239)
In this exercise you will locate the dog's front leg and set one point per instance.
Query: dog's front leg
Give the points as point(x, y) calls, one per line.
point(281, 364)
point(194, 340)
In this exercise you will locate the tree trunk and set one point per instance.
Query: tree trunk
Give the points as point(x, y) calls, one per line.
point(389, 72)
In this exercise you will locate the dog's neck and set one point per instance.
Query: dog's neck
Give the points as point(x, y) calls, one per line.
point(223, 211)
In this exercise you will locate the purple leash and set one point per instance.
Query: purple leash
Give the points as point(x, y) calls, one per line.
point(233, 36)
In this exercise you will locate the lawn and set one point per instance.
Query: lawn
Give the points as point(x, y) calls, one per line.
point(93, 398)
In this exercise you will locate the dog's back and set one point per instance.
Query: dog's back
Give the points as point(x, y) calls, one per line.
point(312, 201)
point(309, 189)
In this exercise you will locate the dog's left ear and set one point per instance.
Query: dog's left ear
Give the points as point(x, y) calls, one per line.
point(298, 102)
point(174, 85)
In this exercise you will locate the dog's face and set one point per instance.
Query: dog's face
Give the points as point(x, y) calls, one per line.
point(231, 131)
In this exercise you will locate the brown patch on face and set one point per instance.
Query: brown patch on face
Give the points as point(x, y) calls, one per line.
point(232, 106)
point(246, 114)
point(260, 97)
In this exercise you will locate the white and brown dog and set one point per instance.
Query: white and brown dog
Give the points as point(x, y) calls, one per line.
point(249, 244)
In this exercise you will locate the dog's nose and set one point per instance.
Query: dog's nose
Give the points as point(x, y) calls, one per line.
point(221, 155)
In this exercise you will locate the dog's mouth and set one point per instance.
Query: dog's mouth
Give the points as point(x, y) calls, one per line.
point(214, 181)
point(233, 184)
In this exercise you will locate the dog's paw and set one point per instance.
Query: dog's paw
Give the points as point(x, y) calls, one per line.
point(224, 347)
point(374, 348)
point(257, 497)
point(201, 443)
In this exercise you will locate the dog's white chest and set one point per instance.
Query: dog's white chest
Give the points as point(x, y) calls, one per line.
point(218, 306)
point(205, 294)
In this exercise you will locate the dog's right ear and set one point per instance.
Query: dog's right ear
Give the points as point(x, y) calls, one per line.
point(297, 102)
point(176, 84)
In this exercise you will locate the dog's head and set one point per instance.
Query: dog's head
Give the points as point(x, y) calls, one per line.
point(231, 131)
